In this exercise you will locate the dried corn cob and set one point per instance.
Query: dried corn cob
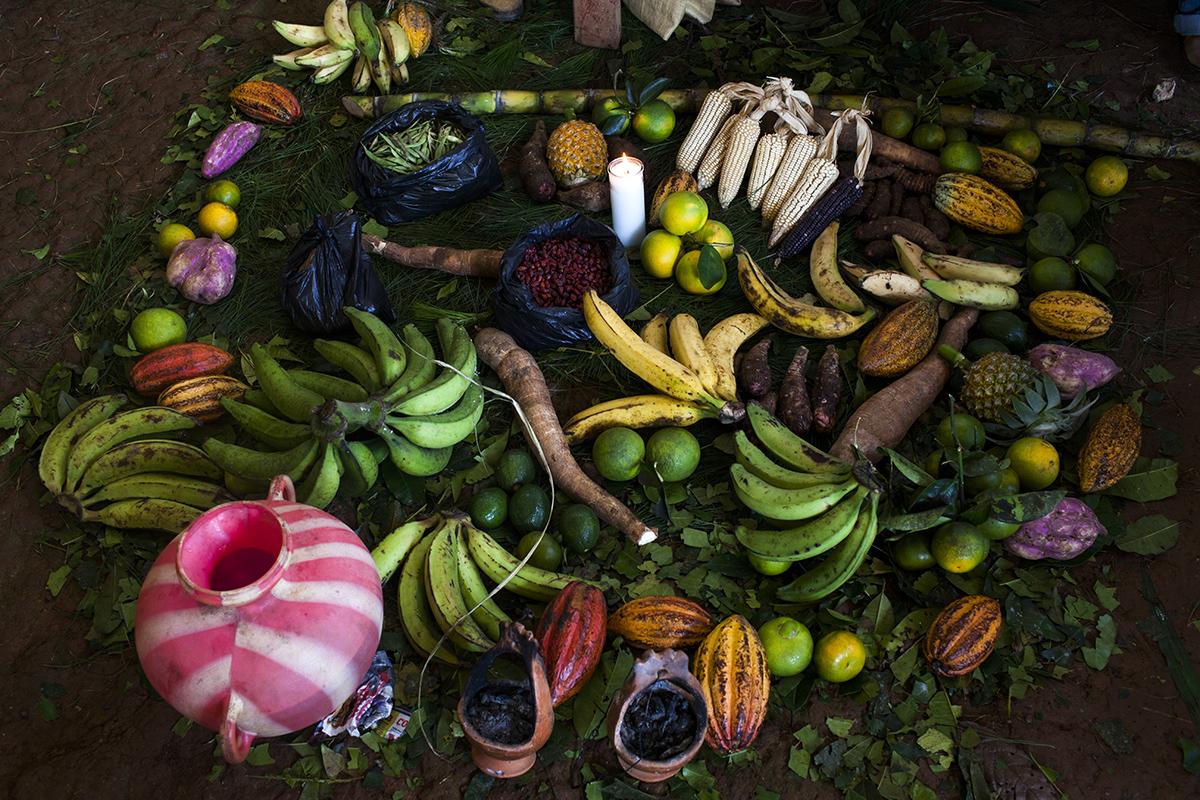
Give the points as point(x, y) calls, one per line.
point(836, 201)
point(710, 165)
point(713, 112)
point(767, 156)
point(743, 137)
point(800, 151)
point(819, 175)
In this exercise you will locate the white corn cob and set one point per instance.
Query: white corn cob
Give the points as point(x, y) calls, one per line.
point(820, 174)
point(710, 165)
point(713, 111)
point(800, 151)
point(743, 137)
point(767, 156)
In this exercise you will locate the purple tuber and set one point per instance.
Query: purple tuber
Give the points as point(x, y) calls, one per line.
point(1073, 370)
point(1067, 531)
point(203, 269)
point(228, 146)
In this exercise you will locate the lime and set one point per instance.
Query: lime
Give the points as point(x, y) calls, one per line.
point(996, 530)
point(1035, 461)
point(982, 346)
point(528, 508)
point(961, 157)
point(1050, 274)
point(223, 191)
point(674, 453)
point(1063, 202)
point(579, 527)
point(960, 429)
point(933, 461)
point(1097, 262)
point(955, 134)
point(898, 122)
point(913, 553)
point(1022, 143)
point(618, 453)
point(157, 327)
point(660, 251)
point(608, 107)
point(1062, 179)
point(515, 467)
point(1106, 176)
point(958, 547)
point(687, 275)
point(654, 121)
point(1005, 481)
point(217, 219)
point(548, 555)
point(172, 234)
point(1006, 327)
point(929, 136)
point(768, 566)
point(683, 212)
point(788, 646)
point(840, 656)
point(718, 235)
point(489, 508)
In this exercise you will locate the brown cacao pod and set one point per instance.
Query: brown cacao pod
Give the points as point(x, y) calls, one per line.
point(963, 635)
point(660, 622)
point(731, 666)
point(1111, 447)
point(900, 340)
point(200, 398)
point(156, 371)
point(265, 101)
point(570, 634)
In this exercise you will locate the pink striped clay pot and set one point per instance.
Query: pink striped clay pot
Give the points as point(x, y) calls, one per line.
point(259, 619)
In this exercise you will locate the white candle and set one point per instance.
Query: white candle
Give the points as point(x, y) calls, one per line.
point(628, 194)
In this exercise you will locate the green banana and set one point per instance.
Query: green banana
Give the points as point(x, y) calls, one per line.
point(329, 387)
point(420, 367)
point(395, 41)
point(790, 448)
point(987, 296)
point(164, 486)
point(760, 464)
point(264, 427)
point(147, 514)
point(337, 24)
point(447, 428)
point(451, 383)
point(319, 486)
point(485, 612)
point(415, 615)
point(366, 34)
point(293, 400)
point(360, 470)
point(420, 462)
point(385, 347)
point(358, 363)
point(808, 539)
point(839, 565)
point(390, 552)
point(258, 398)
point(56, 452)
point(786, 504)
point(147, 455)
point(259, 465)
point(252, 488)
point(499, 564)
point(117, 429)
point(443, 590)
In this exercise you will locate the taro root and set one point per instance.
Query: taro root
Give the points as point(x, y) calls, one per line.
point(203, 269)
point(1073, 370)
point(1068, 530)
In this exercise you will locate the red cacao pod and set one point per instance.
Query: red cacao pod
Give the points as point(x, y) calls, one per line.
point(963, 635)
point(169, 365)
point(266, 102)
point(570, 634)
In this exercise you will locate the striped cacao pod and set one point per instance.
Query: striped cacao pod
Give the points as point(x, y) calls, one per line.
point(900, 340)
point(1070, 314)
point(977, 204)
point(570, 634)
point(156, 371)
point(266, 102)
point(660, 623)
point(731, 666)
point(200, 398)
point(963, 635)
point(1112, 445)
point(1006, 170)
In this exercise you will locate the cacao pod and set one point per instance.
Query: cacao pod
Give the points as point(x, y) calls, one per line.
point(1006, 170)
point(677, 181)
point(1111, 447)
point(731, 666)
point(417, 27)
point(977, 204)
point(200, 398)
point(266, 102)
point(900, 340)
point(1070, 314)
point(156, 371)
point(570, 634)
point(660, 623)
point(963, 635)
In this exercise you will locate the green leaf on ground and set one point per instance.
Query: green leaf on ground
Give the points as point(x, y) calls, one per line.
point(1149, 536)
point(1159, 374)
point(1106, 639)
point(1156, 173)
point(1150, 479)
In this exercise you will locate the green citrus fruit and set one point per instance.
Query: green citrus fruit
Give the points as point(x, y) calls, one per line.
point(659, 251)
point(1050, 274)
point(1106, 176)
point(1022, 143)
point(157, 327)
point(654, 121)
point(960, 429)
point(718, 235)
point(788, 646)
point(217, 219)
point(996, 530)
point(1005, 481)
point(579, 527)
point(982, 346)
point(840, 656)
point(489, 508)
point(618, 453)
point(172, 234)
point(528, 508)
point(1097, 262)
point(1064, 202)
point(683, 212)
point(674, 453)
point(956, 134)
point(687, 275)
point(548, 555)
point(933, 461)
point(912, 552)
point(515, 468)
point(1035, 461)
point(768, 566)
point(1006, 327)
point(898, 122)
point(958, 547)
point(961, 157)
point(929, 136)
point(611, 106)
point(223, 191)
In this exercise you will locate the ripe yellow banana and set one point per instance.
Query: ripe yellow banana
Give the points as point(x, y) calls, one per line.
point(722, 342)
point(827, 278)
point(654, 333)
point(790, 314)
point(638, 411)
point(687, 345)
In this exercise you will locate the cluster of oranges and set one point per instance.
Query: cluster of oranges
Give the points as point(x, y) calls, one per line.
point(216, 218)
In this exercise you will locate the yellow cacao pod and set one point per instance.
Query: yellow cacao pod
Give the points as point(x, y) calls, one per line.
point(200, 398)
point(1110, 449)
point(417, 26)
point(963, 635)
point(975, 203)
point(900, 340)
point(660, 623)
point(1006, 170)
point(731, 666)
point(1070, 314)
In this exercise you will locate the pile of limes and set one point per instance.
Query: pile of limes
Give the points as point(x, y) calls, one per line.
point(620, 454)
point(788, 644)
point(690, 247)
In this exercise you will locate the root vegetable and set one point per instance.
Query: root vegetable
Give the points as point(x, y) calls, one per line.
point(754, 371)
point(864, 200)
point(769, 401)
point(886, 227)
point(916, 182)
point(936, 221)
point(877, 170)
point(535, 172)
point(882, 202)
point(897, 199)
point(592, 196)
point(827, 391)
point(883, 146)
point(524, 381)
point(911, 209)
point(793, 408)
point(884, 419)
point(473, 263)
point(879, 250)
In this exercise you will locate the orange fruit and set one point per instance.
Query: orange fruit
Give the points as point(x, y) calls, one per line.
point(654, 121)
point(958, 547)
point(217, 219)
point(1023, 144)
point(788, 646)
point(1106, 176)
point(157, 327)
point(840, 656)
point(223, 191)
point(1035, 461)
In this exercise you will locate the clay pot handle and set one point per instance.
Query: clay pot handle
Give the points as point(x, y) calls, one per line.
point(235, 743)
point(282, 488)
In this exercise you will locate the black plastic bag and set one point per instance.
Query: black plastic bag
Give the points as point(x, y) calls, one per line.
point(328, 269)
point(467, 173)
point(539, 328)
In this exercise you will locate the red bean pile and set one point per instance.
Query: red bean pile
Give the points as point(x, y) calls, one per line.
point(560, 271)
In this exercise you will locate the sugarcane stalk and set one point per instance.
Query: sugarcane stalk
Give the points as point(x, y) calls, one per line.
point(474, 263)
point(514, 101)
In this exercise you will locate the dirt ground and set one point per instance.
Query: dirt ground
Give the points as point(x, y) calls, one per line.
point(89, 92)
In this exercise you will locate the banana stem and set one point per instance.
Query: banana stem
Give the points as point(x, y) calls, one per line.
point(953, 356)
point(336, 418)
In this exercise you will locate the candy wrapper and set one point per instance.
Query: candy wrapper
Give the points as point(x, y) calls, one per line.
point(370, 704)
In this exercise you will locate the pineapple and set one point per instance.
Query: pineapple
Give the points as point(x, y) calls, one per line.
point(992, 383)
point(576, 152)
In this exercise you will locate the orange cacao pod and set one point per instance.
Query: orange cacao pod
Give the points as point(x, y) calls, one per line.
point(156, 371)
point(661, 622)
point(200, 398)
point(570, 634)
point(1111, 447)
point(963, 635)
point(731, 666)
point(265, 101)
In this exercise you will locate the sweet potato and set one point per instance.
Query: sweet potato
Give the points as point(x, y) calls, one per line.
point(882, 201)
point(754, 373)
point(885, 227)
point(911, 209)
point(794, 409)
point(827, 391)
point(592, 196)
point(879, 250)
point(535, 172)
